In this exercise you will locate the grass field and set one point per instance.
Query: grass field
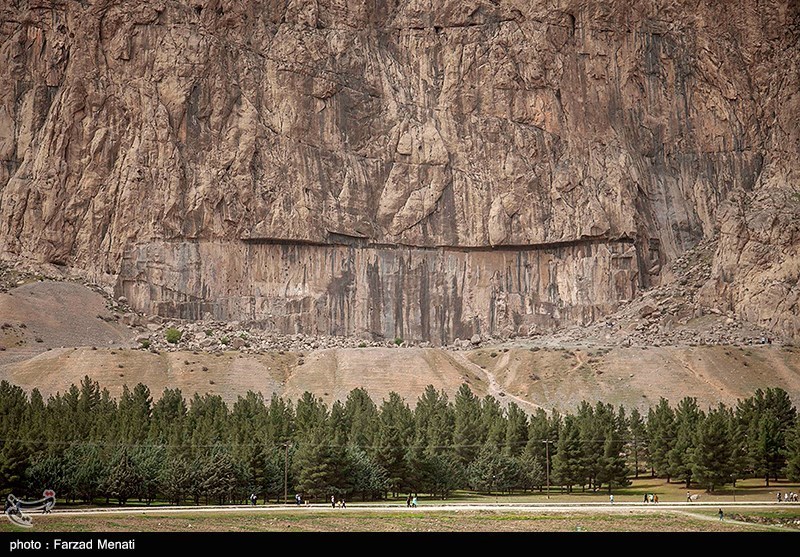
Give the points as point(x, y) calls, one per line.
point(590, 512)
point(363, 520)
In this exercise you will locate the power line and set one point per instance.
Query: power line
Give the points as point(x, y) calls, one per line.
point(119, 444)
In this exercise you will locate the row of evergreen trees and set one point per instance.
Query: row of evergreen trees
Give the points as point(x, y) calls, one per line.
point(87, 446)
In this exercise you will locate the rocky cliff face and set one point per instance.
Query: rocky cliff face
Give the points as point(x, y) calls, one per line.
point(404, 168)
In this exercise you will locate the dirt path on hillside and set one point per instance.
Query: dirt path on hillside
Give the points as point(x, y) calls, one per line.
point(580, 361)
point(494, 388)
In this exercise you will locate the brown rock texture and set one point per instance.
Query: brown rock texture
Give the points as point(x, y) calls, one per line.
point(415, 169)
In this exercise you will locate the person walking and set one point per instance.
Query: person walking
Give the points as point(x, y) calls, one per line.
point(655, 498)
point(414, 501)
point(645, 498)
point(721, 514)
point(344, 505)
point(333, 502)
point(408, 500)
point(611, 498)
point(253, 499)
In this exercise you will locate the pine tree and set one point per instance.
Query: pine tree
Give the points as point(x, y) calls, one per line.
point(86, 414)
point(35, 428)
point(532, 473)
point(248, 425)
point(206, 424)
point(310, 413)
point(613, 467)
point(394, 438)
point(86, 469)
point(543, 434)
point(768, 447)
point(14, 451)
point(340, 429)
point(177, 479)
point(148, 462)
point(493, 423)
point(764, 419)
point(661, 431)
point(567, 468)
point(123, 483)
point(638, 441)
point(792, 453)
point(434, 420)
point(679, 457)
point(134, 414)
point(516, 434)
point(280, 421)
point(48, 472)
point(739, 462)
point(468, 434)
point(318, 467)
point(446, 474)
point(275, 458)
point(432, 439)
point(218, 476)
point(491, 471)
point(361, 415)
point(369, 478)
point(106, 416)
point(592, 438)
point(13, 462)
point(711, 458)
point(168, 422)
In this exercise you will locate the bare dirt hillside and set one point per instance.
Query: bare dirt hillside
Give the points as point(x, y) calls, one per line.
point(55, 333)
point(550, 378)
point(42, 315)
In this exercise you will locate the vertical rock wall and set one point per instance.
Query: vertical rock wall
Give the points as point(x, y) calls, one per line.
point(435, 294)
point(463, 123)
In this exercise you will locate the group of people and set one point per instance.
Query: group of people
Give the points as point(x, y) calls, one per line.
point(411, 501)
point(650, 498)
point(341, 503)
point(788, 497)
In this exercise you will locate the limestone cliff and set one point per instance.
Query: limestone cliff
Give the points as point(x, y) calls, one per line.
point(404, 168)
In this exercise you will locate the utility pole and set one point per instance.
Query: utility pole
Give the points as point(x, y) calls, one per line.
point(286, 475)
point(547, 464)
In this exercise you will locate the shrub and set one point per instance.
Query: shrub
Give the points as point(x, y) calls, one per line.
point(173, 335)
point(244, 336)
point(145, 343)
point(225, 340)
point(398, 341)
point(362, 344)
point(209, 332)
